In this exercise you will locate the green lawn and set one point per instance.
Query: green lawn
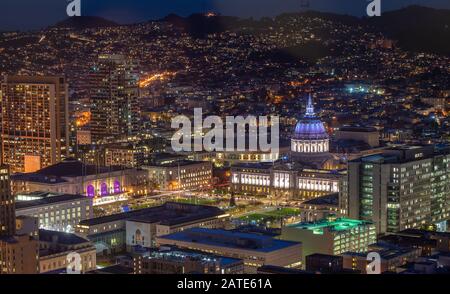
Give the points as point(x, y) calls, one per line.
point(283, 212)
point(271, 216)
point(199, 201)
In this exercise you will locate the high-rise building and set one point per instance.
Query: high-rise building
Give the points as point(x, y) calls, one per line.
point(114, 94)
point(404, 187)
point(34, 121)
point(18, 252)
point(7, 216)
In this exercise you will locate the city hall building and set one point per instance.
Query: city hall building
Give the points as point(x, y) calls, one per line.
point(284, 180)
point(310, 172)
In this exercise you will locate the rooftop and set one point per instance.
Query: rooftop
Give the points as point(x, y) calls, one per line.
point(61, 237)
point(69, 167)
point(386, 251)
point(180, 255)
point(170, 213)
point(49, 200)
point(230, 239)
point(404, 153)
point(339, 224)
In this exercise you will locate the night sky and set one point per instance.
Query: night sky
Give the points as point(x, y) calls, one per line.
point(34, 14)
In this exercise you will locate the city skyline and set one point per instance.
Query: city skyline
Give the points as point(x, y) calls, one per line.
point(143, 149)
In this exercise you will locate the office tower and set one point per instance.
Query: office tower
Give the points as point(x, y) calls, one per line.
point(7, 216)
point(34, 116)
point(114, 94)
point(18, 253)
point(402, 188)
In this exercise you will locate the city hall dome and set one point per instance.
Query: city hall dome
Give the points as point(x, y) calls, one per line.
point(310, 135)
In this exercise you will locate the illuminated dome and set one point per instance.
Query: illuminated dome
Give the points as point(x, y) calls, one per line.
point(310, 135)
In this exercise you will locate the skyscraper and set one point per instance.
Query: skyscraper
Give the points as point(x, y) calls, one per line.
point(7, 215)
point(402, 188)
point(34, 116)
point(114, 93)
point(18, 253)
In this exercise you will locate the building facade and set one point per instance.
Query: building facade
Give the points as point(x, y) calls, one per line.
point(331, 236)
point(19, 254)
point(57, 212)
point(178, 261)
point(34, 122)
point(181, 175)
point(391, 258)
point(73, 177)
point(60, 251)
point(404, 187)
point(7, 212)
point(114, 94)
point(284, 180)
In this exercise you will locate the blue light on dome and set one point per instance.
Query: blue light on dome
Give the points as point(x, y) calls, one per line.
point(310, 127)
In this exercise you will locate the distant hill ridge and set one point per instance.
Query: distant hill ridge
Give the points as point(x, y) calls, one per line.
point(416, 28)
point(85, 22)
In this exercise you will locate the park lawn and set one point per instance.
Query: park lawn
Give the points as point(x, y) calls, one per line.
point(283, 212)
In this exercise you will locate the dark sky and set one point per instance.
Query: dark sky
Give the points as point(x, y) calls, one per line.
point(34, 14)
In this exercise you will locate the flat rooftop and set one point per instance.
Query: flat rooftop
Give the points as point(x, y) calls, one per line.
point(339, 224)
point(180, 255)
point(61, 237)
point(170, 213)
point(230, 239)
point(405, 153)
point(69, 167)
point(49, 201)
point(386, 251)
